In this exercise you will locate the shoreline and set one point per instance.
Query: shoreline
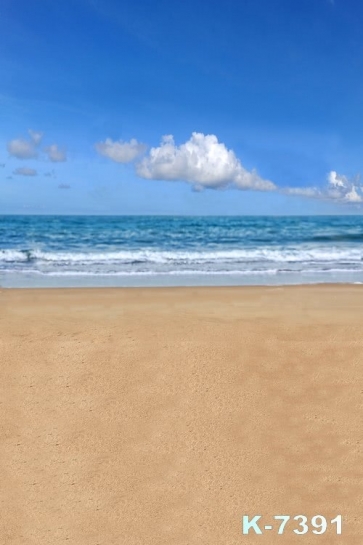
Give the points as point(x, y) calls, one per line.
point(163, 285)
point(323, 285)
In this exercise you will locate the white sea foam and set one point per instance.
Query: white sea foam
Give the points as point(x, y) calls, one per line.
point(9, 256)
point(194, 272)
point(278, 255)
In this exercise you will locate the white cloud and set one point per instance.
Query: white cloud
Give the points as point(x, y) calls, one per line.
point(55, 154)
point(303, 191)
point(120, 152)
point(201, 161)
point(24, 171)
point(22, 149)
point(35, 137)
point(353, 196)
point(337, 180)
point(25, 149)
point(339, 189)
point(342, 189)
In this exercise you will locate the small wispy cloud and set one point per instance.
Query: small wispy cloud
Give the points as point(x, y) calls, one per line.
point(35, 137)
point(22, 148)
point(64, 186)
point(302, 191)
point(25, 171)
point(120, 151)
point(55, 154)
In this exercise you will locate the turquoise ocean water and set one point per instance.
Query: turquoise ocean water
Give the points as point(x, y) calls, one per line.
point(45, 251)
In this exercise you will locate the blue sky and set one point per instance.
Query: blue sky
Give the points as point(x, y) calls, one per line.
point(261, 99)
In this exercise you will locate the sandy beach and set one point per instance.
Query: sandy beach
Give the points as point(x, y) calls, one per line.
point(162, 416)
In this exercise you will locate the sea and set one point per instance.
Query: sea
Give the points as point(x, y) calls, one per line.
point(73, 251)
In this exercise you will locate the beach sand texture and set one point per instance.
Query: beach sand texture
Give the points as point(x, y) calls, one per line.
point(161, 416)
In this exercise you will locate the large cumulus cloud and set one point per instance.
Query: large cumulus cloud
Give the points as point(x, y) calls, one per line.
point(202, 161)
